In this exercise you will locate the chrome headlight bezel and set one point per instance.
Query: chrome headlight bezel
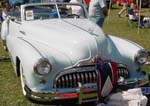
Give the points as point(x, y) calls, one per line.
point(42, 67)
point(141, 57)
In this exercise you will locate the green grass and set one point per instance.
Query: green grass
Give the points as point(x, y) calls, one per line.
point(10, 88)
point(120, 27)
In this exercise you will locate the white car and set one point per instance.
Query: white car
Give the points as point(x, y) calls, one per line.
point(52, 50)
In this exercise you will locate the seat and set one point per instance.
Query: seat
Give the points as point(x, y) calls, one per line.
point(146, 21)
point(132, 18)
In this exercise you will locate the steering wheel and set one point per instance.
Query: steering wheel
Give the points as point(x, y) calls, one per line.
point(73, 15)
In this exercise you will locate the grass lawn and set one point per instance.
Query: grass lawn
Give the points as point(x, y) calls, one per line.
point(120, 27)
point(10, 87)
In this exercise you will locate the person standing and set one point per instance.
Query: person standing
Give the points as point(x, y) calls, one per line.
point(98, 11)
point(124, 9)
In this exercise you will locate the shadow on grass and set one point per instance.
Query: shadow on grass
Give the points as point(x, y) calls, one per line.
point(4, 59)
point(64, 102)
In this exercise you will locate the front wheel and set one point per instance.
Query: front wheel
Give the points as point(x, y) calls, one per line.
point(22, 78)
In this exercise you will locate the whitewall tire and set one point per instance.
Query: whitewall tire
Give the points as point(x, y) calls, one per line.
point(22, 78)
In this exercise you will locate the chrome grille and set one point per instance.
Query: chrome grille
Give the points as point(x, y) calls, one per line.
point(70, 80)
point(84, 75)
point(122, 71)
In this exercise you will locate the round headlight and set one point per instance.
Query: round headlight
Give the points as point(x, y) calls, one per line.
point(42, 67)
point(141, 57)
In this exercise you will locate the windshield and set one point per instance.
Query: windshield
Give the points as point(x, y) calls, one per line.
point(51, 11)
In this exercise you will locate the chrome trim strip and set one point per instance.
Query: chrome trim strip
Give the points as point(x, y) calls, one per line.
point(76, 69)
point(22, 32)
point(31, 46)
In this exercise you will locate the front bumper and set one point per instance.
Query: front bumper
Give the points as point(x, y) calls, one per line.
point(83, 94)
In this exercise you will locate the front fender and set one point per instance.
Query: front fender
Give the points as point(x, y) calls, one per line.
point(27, 55)
point(29, 52)
point(121, 51)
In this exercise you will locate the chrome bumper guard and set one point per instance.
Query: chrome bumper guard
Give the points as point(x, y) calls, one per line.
point(84, 95)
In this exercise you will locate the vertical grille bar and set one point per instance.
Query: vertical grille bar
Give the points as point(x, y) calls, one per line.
point(74, 80)
point(86, 78)
point(67, 81)
point(63, 81)
point(82, 78)
point(94, 77)
point(58, 83)
point(90, 77)
point(71, 80)
point(123, 71)
point(78, 77)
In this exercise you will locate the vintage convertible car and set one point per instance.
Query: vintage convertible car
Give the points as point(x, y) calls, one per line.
point(53, 48)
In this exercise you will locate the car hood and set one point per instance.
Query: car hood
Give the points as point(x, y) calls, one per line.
point(77, 40)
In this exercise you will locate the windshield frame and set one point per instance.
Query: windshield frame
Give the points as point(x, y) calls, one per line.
point(23, 9)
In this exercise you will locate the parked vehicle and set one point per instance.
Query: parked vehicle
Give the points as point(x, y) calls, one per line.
point(54, 52)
